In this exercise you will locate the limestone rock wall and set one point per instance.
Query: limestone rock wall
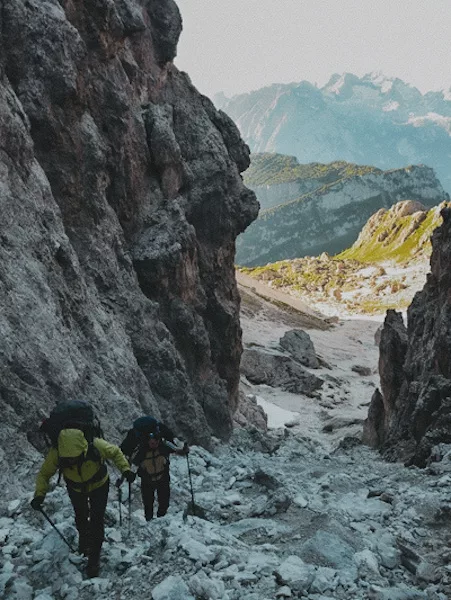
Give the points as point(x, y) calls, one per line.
point(273, 195)
point(121, 198)
point(415, 367)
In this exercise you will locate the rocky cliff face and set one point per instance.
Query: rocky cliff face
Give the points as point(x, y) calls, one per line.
point(273, 195)
point(330, 218)
point(370, 120)
point(121, 199)
point(278, 178)
point(412, 413)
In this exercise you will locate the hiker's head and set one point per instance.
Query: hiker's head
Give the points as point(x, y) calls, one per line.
point(154, 439)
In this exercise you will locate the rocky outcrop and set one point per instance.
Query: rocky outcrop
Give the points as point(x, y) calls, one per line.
point(392, 354)
point(249, 413)
point(370, 120)
point(401, 233)
point(415, 368)
point(331, 218)
point(278, 371)
point(279, 193)
point(121, 198)
point(299, 344)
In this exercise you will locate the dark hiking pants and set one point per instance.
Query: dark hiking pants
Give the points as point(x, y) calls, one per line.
point(148, 489)
point(89, 519)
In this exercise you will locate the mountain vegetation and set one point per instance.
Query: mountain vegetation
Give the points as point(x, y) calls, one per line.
point(381, 271)
point(402, 234)
point(268, 169)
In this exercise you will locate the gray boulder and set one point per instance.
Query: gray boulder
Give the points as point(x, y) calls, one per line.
point(249, 413)
point(300, 346)
point(278, 371)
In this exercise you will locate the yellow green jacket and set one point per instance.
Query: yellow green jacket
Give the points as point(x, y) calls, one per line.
point(72, 443)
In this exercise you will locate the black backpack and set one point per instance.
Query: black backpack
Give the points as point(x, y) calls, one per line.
point(72, 414)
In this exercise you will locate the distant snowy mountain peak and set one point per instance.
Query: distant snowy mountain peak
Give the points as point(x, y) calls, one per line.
point(392, 105)
point(374, 120)
point(380, 80)
point(343, 85)
point(432, 117)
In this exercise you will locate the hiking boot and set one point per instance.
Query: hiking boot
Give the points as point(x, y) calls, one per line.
point(92, 570)
point(93, 567)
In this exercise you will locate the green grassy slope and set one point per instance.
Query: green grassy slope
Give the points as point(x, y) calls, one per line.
point(272, 169)
point(358, 278)
point(396, 234)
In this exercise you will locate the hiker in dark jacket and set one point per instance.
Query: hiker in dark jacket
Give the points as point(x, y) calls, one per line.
point(148, 445)
point(85, 473)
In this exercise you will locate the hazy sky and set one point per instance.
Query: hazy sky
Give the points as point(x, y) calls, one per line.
point(238, 45)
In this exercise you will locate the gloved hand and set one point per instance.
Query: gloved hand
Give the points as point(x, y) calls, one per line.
point(129, 476)
point(37, 502)
point(185, 450)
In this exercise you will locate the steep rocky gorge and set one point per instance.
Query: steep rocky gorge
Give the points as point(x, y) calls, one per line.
point(410, 416)
point(121, 198)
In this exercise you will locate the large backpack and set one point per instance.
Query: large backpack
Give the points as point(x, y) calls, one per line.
point(72, 414)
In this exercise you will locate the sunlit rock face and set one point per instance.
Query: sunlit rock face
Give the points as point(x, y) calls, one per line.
point(415, 367)
point(121, 198)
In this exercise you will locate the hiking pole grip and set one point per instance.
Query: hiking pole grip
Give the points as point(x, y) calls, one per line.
point(41, 510)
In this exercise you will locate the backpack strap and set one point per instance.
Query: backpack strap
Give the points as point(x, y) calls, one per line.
point(82, 486)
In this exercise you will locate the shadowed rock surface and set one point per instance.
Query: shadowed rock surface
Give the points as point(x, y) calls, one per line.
point(249, 413)
point(415, 367)
point(278, 371)
point(121, 199)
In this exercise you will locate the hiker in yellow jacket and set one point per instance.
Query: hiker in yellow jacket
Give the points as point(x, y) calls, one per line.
point(86, 476)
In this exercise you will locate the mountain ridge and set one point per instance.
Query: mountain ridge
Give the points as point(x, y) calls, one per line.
point(328, 217)
point(369, 120)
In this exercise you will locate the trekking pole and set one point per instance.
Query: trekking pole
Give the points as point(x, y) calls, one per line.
point(129, 508)
point(191, 486)
point(119, 499)
point(57, 530)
